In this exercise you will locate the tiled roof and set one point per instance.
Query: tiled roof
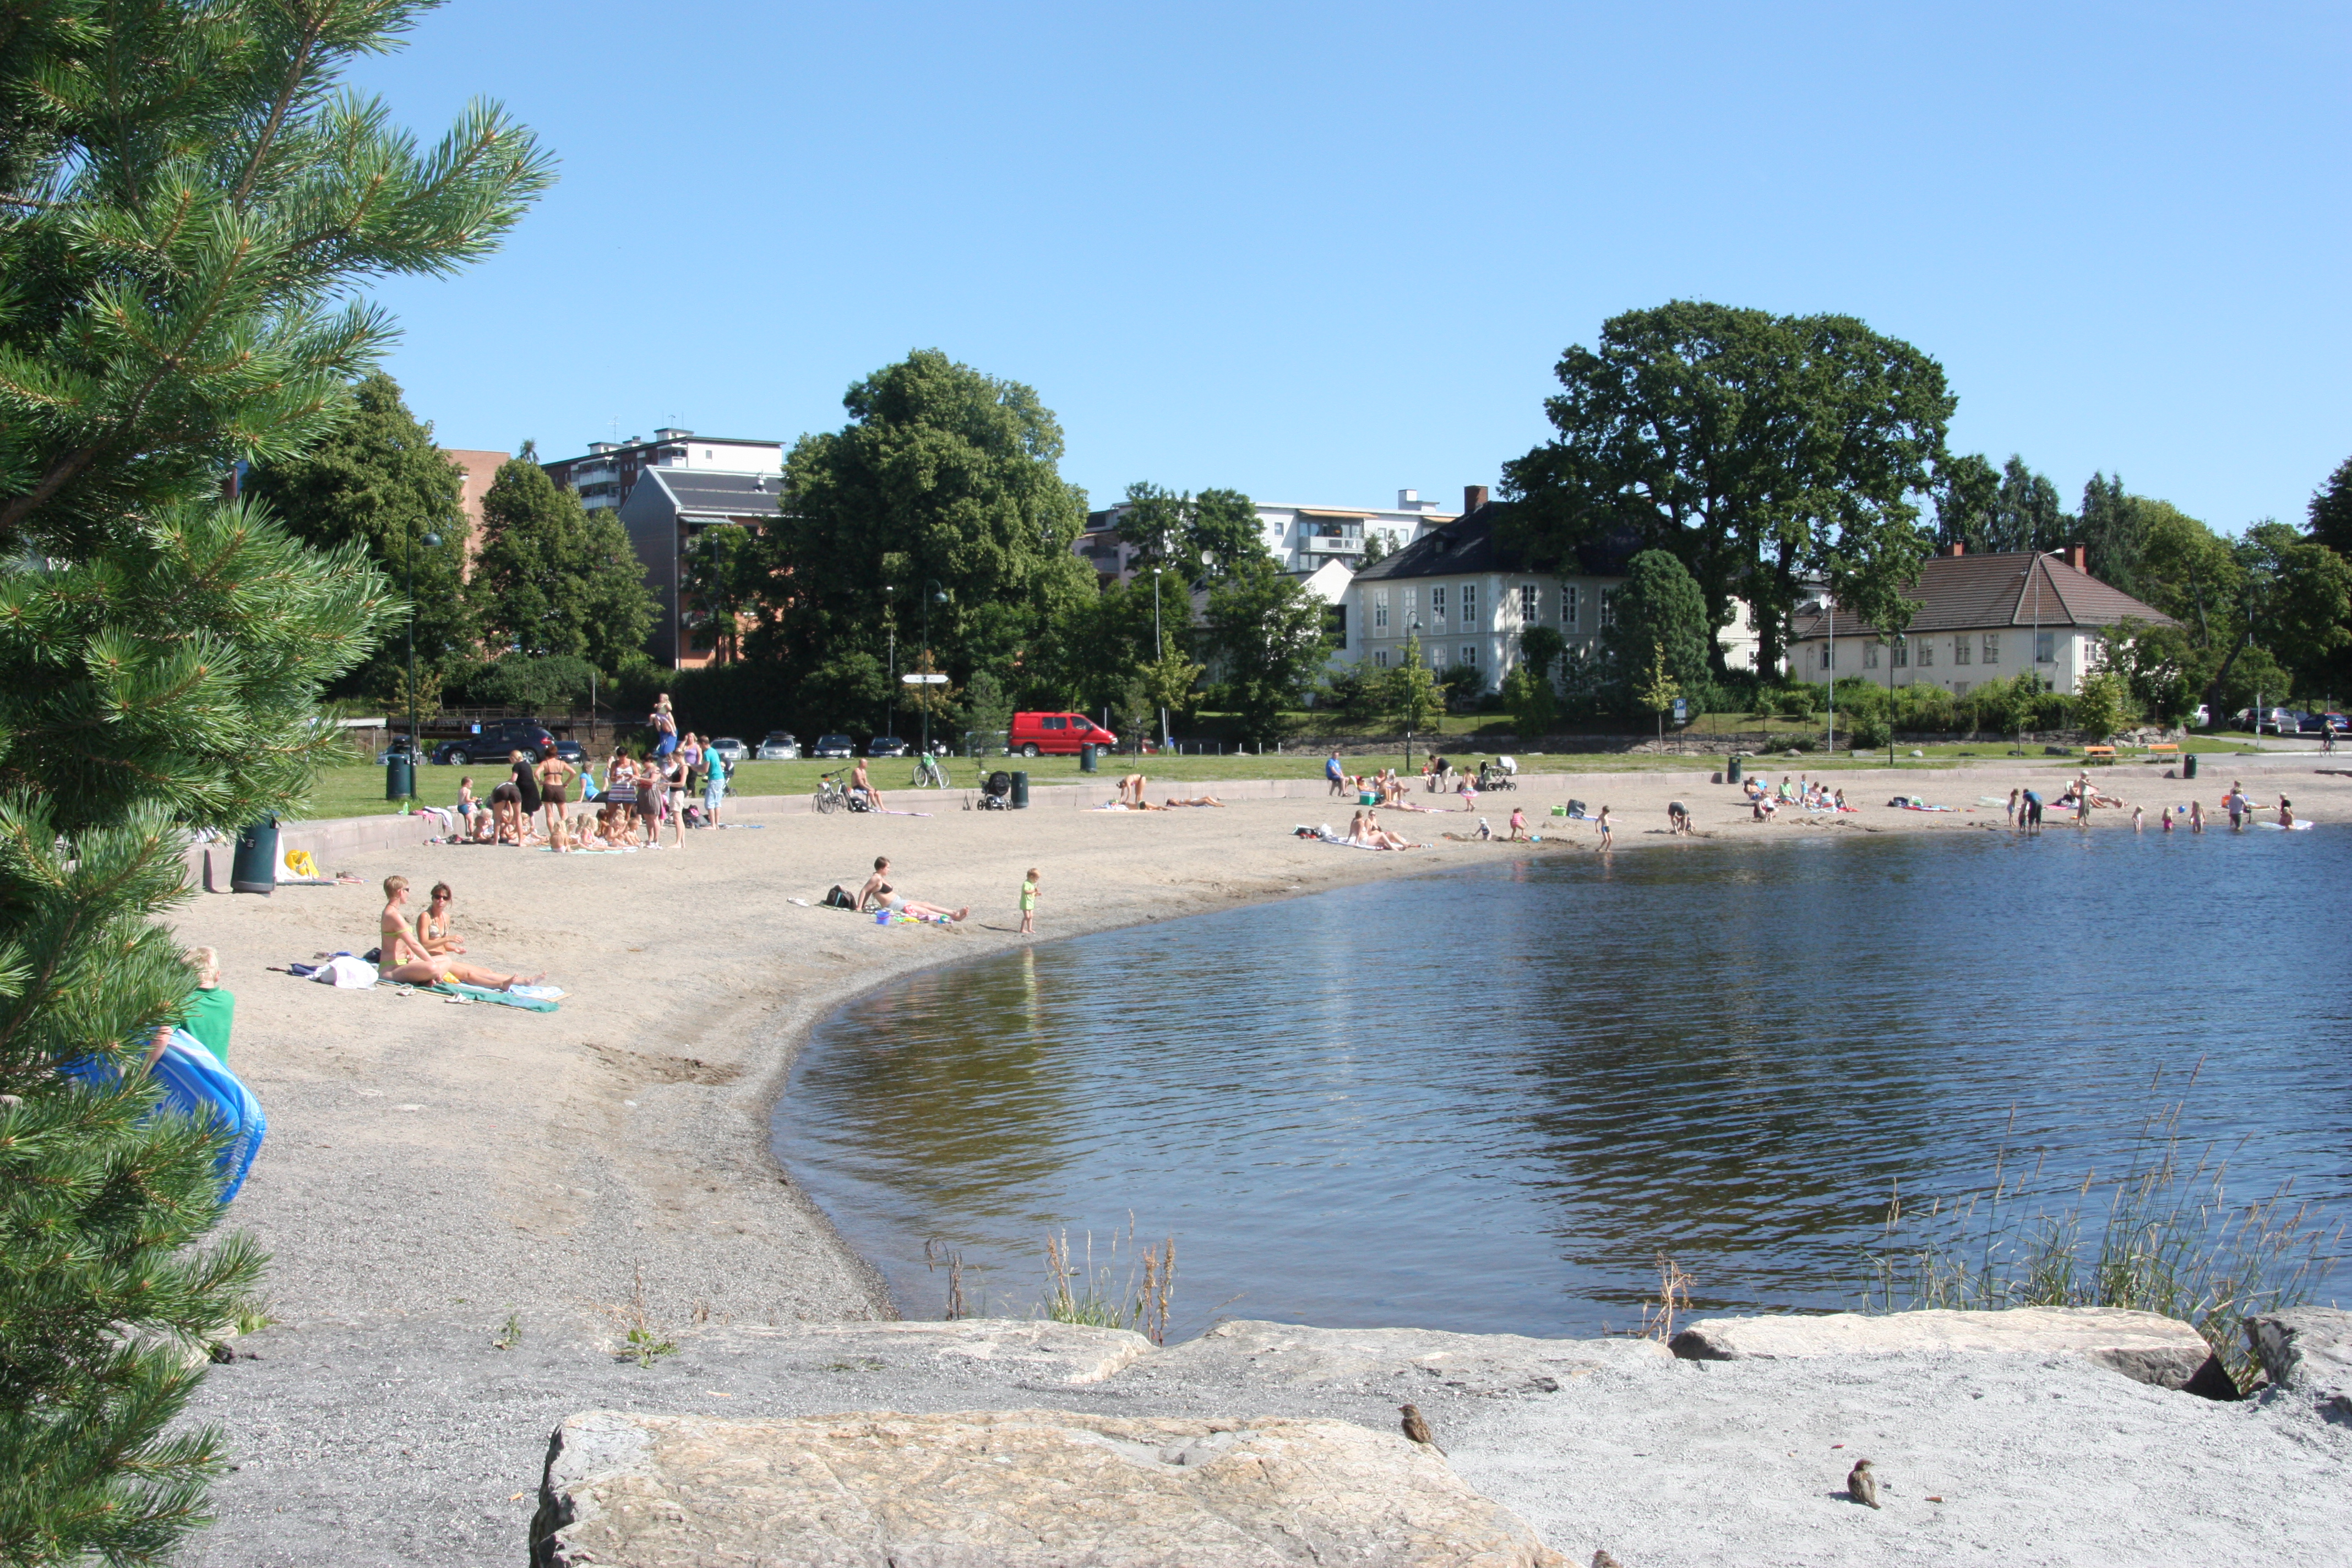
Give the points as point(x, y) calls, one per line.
point(710, 491)
point(1468, 545)
point(2020, 588)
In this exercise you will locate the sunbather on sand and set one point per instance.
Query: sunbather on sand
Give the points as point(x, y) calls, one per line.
point(432, 932)
point(403, 960)
point(1196, 800)
point(877, 894)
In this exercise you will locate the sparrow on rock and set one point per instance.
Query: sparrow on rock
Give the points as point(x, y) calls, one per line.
point(1601, 1559)
point(1416, 1428)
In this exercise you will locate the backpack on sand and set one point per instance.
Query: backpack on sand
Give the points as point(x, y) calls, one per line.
point(839, 899)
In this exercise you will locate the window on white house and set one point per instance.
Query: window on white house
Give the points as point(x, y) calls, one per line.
point(1435, 653)
point(1902, 647)
point(2045, 648)
point(1926, 652)
point(1380, 610)
point(1607, 608)
point(1470, 654)
point(1959, 688)
point(1960, 650)
point(1526, 602)
point(1568, 605)
point(1827, 654)
point(1992, 648)
point(1870, 655)
point(1437, 608)
point(1469, 605)
point(1379, 658)
point(1412, 607)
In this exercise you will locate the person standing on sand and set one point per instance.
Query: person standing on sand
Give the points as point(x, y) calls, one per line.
point(1029, 903)
point(555, 776)
point(526, 783)
point(714, 788)
point(2014, 796)
point(2030, 804)
point(1606, 837)
point(1331, 772)
point(1519, 825)
point(673, 783)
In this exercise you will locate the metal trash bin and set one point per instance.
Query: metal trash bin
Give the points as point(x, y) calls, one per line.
point(2189, 765)
point(1020, 790)
point(1731, 770)
point(1087, 758)
point(399, 777)
point(254, 868)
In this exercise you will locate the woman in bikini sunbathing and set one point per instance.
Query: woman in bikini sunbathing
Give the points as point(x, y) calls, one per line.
point(403, 960)
point(433, 933)
point(877, 894)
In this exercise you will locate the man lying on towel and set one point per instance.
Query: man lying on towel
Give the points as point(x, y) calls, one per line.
point(405, 959)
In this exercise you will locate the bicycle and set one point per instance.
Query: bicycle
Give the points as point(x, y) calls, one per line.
point(929, 774)
point(831, 795)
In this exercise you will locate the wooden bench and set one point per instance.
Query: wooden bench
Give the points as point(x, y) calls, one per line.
point(2098, 753)
point(2162, 749)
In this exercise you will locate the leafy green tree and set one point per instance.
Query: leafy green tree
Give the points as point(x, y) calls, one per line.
point(2300, 598)
point(725, 582)
point(2102, 703)
point(1174, 682)
point(2163, 668)
point(1267, 644)
point(1744, 443)
point(186, 203)
point(941, 474)
point(519, 680)
point(1655, 688)
point(379, 480)
point(1968, 503)
point(2331, 511)
point(846, 693)
point(1539, 649)
point(1659, 607)
point(1528, 694)
point(986, 707)
point(2027, 514)
point(2114, 529)
point(1197, 538)
point(1097, 642)
point(1410, 692)
point(554, 577)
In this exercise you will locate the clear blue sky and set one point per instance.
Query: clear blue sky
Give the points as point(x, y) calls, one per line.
point(1322, 252)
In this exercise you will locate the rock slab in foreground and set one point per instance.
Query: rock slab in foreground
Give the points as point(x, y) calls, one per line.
point(2308, 1351)
point(2143, 1346)
point(1294, 1356)
point(1015, 1489)
point(1030, 1349)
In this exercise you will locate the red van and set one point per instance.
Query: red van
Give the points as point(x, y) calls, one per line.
point(1056, 734)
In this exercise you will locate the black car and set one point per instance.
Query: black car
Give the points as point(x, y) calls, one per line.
point(497, 737)
point(834, 746)
point(886, 746)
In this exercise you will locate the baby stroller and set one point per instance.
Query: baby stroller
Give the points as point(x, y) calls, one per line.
point(996, 792)
point(1500, 772)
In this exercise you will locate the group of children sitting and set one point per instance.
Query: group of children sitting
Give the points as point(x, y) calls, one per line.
point(1764, 801)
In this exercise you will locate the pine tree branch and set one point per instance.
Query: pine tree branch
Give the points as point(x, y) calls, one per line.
point(297, 68)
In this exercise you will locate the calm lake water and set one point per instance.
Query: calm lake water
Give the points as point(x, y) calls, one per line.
point(1482, 1101)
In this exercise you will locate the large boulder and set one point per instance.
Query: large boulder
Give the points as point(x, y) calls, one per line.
point(1033, 1350)
point(1294, 1356)
point(1012, 1488)
point(2308, 1351)
point(2143, 1346)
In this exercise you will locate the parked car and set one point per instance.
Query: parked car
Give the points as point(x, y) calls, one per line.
point(834, 746)
point(2278, 721)
point(781, 746)
point(497, 737)
point(886, 746)
point(731, 749)
point(573, 752)
point(2313, 723)
point(1056, 734)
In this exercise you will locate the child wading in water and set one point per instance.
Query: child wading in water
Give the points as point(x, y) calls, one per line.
point(1604, 824)
point(1029, 903)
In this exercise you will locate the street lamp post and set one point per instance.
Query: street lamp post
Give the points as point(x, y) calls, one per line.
point(1412, 640)
point(432, 542)
point(931, 590)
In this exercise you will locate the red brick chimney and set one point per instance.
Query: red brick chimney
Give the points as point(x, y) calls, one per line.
point(2078, 557)
point(1955, 549)
point(1472, 498)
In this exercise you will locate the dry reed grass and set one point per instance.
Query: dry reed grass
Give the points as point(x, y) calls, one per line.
point(1142, 1304)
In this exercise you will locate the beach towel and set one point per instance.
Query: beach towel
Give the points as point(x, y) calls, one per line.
point(195, 1084)
point(521, 996)
point(342, 971)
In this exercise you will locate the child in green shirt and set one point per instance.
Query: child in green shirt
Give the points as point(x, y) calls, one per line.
point(1029, 903)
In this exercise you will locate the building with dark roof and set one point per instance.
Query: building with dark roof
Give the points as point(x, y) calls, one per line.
point(668, 510)
point(1980, 618)
point(1467, 593)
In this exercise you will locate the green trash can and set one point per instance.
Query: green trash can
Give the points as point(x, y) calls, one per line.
point(399, 777)
point(1731, 770)
point(2189, 765)
point(1087, 758)
point(1020, 791)
point(254, 868)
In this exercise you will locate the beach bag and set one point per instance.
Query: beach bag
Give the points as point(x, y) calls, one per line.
point(839, 899)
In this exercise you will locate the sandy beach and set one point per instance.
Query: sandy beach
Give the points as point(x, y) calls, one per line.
point(431, 1163)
